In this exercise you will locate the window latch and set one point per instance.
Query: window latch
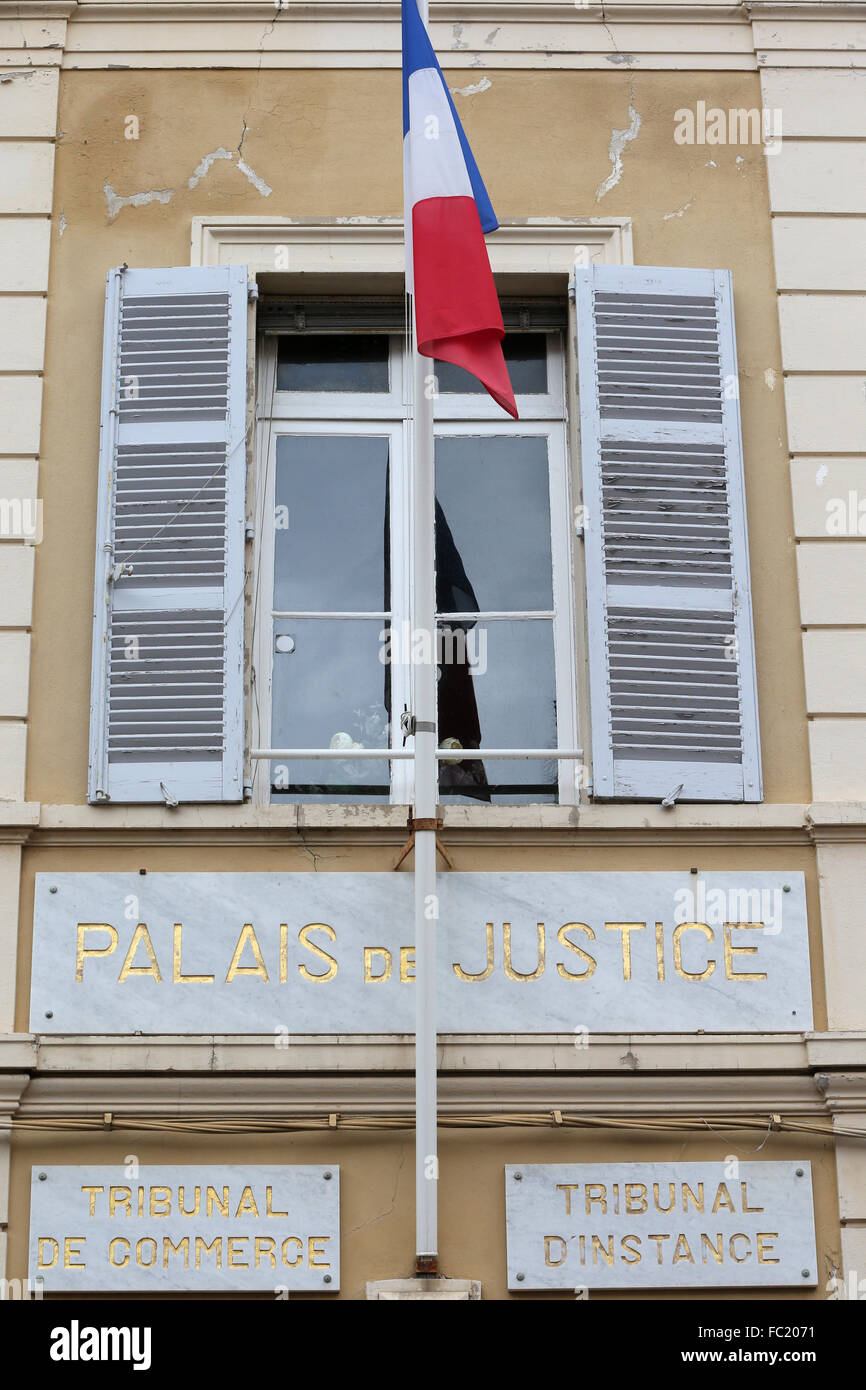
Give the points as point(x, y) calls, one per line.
point(410, 726)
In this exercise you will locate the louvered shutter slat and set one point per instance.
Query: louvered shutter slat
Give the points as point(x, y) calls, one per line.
point(671, 648)
point(166, 713)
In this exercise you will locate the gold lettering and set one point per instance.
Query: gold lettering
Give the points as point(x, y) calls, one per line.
point(212, 1200)
point(140, 936)
point(265, 1245)
point(641, 1198)
point(303, 938)
point(284, 952)
point(744, 1197)
point(40, 1256)
point(721, 1201)
point(760, 1238)
point(706, 1244)
point(563, 940)
point(237, 1263)
point(731, 950)
point(740, 1259)
point(506, 947)
point(182, 1248)
point(633, 1250)
point(292, 1264)
point(660, 952)
point(369, 953)
point(247, 1205)
point(488, 969)
point(698, 1201)
point(658, 1240)
point(313, 1249)
point(548, 1250)
point(122, 1199)
point(682, 1251)
point(82, 953)
point(93, 1191)
point(407, 964)
point(269, 1210)
point(178, 976)
point(139, 1252)
point(672, 1197)
point(215, 1247)
point(163, 1195)
point(567, 1188)
point(595, 1192)
point(122, 1241)
point(69, 1251)
point(180, 1197)
point(235, 968)
point(626, 928)
point(678, 951)
point(599, 1248)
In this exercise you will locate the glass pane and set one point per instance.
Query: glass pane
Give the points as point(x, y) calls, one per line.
point(331, 689)
point(496, 689)
point(332, 362)
point(525, 357)
point(492, 524)
point(331, 524)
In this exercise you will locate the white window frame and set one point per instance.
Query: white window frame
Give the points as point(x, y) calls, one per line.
point(378, 414)
point(365, 255)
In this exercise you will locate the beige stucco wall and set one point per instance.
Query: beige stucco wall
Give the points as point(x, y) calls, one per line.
point(327, 144)
point(377, 1190)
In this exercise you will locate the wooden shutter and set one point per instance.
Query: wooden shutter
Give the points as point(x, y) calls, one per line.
point(167, 686)
point(671, 648)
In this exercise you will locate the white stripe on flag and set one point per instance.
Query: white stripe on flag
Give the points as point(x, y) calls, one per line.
point(435, 167)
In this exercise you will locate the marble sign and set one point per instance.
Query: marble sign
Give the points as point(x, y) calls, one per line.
point(300, 953)
point(717, 1225)
point(195, 1227)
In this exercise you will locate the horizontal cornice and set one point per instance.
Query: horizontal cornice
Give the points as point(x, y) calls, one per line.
point(768, 823)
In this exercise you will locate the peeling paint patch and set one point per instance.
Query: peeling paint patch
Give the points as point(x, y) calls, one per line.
point(457, 36)
point(684, 209)
point(134, 200)
point(201, 169)
point(61, 226)
point(711, 164)
point(255, 179)
point(471, 90)
point(770, 378)
point(739, 160)
point(619, 58)
point(618, 141)
point(492, 35)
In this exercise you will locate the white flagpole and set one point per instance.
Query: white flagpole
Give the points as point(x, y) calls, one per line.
point(426, 795)
point(426, 903)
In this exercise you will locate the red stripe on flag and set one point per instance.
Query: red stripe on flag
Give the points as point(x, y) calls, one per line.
point(457, 312)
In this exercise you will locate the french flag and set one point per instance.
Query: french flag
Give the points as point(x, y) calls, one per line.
point(447, 212)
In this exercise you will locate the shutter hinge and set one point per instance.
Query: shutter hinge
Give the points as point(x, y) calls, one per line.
point(170, 801)
point(119, 571)
point(252, 292)
point(100, 797)
point(249, 531)
point(572, 292)
point(248, 791)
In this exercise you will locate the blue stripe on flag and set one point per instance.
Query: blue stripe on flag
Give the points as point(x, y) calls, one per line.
point(418, 53)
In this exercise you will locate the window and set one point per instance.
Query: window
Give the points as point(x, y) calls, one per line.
point(658, 550)
point(334, 646)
